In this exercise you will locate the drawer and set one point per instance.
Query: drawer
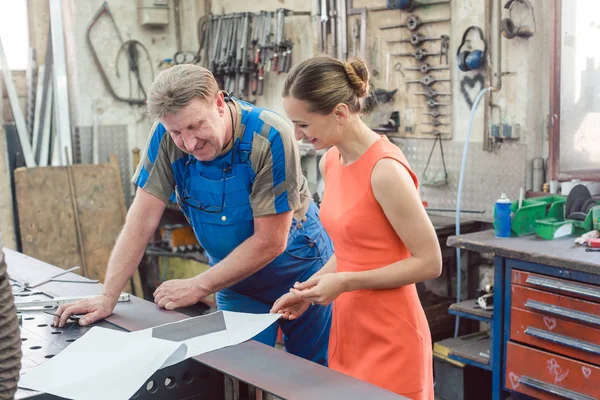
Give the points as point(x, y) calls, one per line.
point(555, 305)
point(556, 335)
point(556, 285)
point(546, 376)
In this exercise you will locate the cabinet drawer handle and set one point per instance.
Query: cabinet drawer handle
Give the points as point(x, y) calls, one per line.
point(563, 312)
point(564, 340)
point(569, 287)
point(548, 388)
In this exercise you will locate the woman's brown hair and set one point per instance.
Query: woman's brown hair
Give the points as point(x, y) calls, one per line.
point(324, 82)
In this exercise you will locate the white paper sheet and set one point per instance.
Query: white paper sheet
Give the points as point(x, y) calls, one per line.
point(238, 327)
point(108, 364)
point(102, 364)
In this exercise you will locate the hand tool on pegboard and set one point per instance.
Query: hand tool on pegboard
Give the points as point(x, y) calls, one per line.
point(413, 22)
point(415, 40)
point(418, 54)
point(433, 104)
point(444, 46)
point(432, 93)
point(425, 68)
point(427, 80)
point(409, 5)
point(435, 123)
point(436, 114)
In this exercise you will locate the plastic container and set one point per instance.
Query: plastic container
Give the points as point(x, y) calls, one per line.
point(596, 218)
point(523, 220)
point(555, 205)
point(551, 228)
point(502, 219)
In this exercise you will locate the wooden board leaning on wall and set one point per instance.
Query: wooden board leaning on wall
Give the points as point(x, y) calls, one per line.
point(47, 220)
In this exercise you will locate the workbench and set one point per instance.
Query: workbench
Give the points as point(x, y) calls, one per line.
point(545, 324)
point(230, 373)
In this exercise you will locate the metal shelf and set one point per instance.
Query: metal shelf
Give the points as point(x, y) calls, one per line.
point(476, 353)
point(470, 309)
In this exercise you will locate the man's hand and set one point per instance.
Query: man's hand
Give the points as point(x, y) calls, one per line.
point(290, 306)
point(95, 309)
point(178, 293)
point(322, 289)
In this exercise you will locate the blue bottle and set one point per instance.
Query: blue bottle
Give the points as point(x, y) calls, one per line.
point(502, 217)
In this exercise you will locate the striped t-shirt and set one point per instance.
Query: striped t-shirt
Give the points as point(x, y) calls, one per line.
point(279, 185)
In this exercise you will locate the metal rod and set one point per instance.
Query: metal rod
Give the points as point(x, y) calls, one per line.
point(76, 214)
point(59, 68)
point(37, 114)
point(16, 110)
point(496, 45)
point(46, 280)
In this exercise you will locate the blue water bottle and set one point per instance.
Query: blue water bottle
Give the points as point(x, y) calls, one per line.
point(502, 217)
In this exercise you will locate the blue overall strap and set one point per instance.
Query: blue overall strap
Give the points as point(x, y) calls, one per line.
point(252, 123)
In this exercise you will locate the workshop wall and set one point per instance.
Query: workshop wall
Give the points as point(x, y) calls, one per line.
point(523, 100)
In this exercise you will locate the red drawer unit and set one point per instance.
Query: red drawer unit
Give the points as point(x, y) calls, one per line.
point(556, 335)
point(556, 285)
point(547, 376)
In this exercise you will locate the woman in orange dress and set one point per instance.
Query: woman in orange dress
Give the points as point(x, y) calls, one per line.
point(383, 239)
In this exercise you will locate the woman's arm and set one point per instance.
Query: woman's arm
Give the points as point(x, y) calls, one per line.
point(397, 195)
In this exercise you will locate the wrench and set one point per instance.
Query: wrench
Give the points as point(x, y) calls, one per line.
point(433, 104)
point(419, 54)
point(425, 68)
point(435, 123)
point(415, 40)
point(428, 80)
point(436, 114)
point(413, 22)
point(432, 93)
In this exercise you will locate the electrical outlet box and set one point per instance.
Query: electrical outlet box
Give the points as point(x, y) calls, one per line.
point(153, 13)
point(505, 131)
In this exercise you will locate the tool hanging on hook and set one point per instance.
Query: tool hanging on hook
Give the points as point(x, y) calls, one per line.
point(418, 54)
point(409, 5)
point(436, 114)
point(413, 22)
point(435, 123)
point(425, 68)
point(432, 93)
point(433, 104)
point(427, 80)
point(415, 40)
point(104, 10)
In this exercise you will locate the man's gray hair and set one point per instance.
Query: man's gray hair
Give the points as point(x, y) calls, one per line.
point(174, 88)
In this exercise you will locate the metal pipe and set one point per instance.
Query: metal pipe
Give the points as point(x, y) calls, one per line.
point(496, 46)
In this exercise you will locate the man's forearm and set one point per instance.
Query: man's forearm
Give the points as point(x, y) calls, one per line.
point(125, 257)
point(248, 258)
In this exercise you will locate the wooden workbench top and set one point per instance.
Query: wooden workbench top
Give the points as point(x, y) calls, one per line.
point(562, 253)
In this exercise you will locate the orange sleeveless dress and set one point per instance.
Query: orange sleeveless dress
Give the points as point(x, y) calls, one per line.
point(378, 336)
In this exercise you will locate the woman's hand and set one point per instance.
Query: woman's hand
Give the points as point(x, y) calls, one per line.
point(321, 289)
point(290, 306)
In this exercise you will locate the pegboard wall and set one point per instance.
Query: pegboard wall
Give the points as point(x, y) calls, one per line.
point(407, 58)
point(487, 175)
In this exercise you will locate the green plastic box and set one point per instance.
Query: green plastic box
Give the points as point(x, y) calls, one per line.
point(555, 205)
point(524, 218)
point(552, 228)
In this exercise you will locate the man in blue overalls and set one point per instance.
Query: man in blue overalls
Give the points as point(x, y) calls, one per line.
point(234, 169)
